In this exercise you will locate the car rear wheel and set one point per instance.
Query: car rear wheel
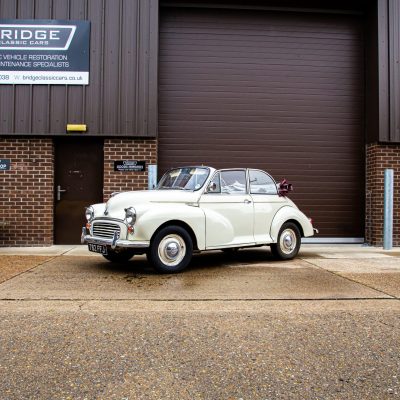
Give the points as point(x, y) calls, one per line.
point(119, 256)
point(288, 243)
point(170, 250)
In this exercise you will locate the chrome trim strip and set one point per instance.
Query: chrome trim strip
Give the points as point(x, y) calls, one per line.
point(236, 245)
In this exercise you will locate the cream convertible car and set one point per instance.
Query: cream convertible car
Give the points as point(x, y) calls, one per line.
point(195, 209)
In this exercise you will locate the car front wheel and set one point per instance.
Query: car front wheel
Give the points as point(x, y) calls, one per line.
point(288, 243)
point(170, 250)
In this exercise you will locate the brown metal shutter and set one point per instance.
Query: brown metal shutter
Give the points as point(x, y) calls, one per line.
point(277, 91)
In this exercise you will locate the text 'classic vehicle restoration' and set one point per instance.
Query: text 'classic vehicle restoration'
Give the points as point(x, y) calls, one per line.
point(195, 209)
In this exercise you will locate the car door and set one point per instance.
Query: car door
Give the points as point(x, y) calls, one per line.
point(266, 203)
point(228, 210)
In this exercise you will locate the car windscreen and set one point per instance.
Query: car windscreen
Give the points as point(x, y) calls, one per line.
point(187, 178)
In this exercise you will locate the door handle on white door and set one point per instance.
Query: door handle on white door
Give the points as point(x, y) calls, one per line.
point(247, 201)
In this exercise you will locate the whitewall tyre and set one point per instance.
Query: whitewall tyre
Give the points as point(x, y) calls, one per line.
point(288, 242)
point(171, 250)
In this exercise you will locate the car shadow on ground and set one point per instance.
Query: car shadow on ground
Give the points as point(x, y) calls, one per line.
point(206, 262)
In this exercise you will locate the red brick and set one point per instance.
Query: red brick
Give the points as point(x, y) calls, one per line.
point(380, 157)
point(28, 185)
point(126, 149)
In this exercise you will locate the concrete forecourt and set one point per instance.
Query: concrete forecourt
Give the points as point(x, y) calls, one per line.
point(325, 325)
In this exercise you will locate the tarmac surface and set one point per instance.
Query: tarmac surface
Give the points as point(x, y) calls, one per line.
point(323, 326)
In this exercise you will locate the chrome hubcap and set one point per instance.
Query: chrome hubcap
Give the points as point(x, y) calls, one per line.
point(172, 250)
point(288, 241)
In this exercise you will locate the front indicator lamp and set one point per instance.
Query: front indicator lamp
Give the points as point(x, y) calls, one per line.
point(130, 216)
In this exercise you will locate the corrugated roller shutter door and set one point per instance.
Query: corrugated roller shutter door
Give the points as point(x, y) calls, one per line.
point(277, 91)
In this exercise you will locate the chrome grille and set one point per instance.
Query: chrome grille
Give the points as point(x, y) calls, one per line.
point(105, 229)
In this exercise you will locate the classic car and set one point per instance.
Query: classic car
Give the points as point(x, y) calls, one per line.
point(194, 209)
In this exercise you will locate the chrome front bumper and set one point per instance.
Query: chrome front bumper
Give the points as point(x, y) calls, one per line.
point(114, 242)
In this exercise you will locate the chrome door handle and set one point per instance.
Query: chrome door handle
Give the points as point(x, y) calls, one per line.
point(247, 201)
point(59, 191)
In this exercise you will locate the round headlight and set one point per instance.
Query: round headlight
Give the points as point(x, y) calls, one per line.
point(130, 215)
point(89, 213)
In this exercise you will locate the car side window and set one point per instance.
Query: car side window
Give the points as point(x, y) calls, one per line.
point(233, 182)
point(261, 183)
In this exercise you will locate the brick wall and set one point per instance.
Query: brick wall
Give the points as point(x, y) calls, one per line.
point(127, 149)
point(380, 157)
point(26, 192)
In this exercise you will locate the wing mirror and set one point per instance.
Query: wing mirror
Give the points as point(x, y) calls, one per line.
point(212, 187)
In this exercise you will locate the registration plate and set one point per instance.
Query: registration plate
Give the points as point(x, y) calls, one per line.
point(97, 248)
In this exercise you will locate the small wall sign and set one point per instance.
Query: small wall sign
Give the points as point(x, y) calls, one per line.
point(129, 166)
point(5, 164)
